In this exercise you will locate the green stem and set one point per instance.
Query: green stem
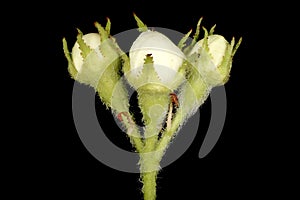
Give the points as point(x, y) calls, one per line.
point(149, 185)
point(149, 167)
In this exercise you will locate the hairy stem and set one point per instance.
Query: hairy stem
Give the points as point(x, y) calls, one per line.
point(149, 167)
point(149, 185)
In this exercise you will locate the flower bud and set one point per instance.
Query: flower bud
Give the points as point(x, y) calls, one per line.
point(166, 58)
point(96, 61)
point(212, 56)
point(155, 68)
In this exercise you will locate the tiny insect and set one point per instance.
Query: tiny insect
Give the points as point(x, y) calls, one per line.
point(174, 99)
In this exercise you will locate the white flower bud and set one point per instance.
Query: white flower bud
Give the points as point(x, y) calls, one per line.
point(215, 59)
point(167, 57)
point(93, 41)
point(95, 61)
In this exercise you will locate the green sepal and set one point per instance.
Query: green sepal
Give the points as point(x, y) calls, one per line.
point(71, 68)
point(141, 26)
point(212, 30)
point(226, 64)
point(85, 49)
point(225, 67)
point(108, 26)
point(182, 42)
point(110, 86)
point(145, 76)
point(102, 31)
point(205, 40)
point(195, 38)
point(193, 92)
point(207, 68)
point(92, 69)
point(180, 76)
point(197, 33)
point(236, 46)
point(148, 73)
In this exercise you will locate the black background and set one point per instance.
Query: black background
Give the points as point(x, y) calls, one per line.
point(247, 161)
